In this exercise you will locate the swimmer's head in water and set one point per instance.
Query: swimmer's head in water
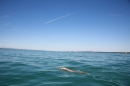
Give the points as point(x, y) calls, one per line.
point(61, 67)
point(66, 69)
point(69, 70)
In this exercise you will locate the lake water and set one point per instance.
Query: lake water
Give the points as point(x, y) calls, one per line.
point(41, 68)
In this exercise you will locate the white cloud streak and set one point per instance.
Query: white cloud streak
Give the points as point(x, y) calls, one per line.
point(60, 17)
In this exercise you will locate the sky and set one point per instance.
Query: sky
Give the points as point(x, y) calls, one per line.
point(65, 25)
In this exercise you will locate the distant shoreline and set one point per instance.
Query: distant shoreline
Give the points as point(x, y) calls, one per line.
point(71, 51)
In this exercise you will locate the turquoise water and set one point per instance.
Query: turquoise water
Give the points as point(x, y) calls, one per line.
point(41, 68)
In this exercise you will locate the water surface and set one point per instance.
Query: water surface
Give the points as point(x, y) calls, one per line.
point(41, 68)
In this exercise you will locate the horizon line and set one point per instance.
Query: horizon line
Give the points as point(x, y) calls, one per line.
point(70, 50)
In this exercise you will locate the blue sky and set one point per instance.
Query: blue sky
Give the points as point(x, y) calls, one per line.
point(65, 25)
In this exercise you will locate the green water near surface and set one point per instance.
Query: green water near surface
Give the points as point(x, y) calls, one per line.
point(41, 68)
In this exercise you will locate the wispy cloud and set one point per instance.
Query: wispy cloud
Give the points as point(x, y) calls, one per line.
point(60, 17)
point(116, 15)
point(5, 23)
point(4, 16)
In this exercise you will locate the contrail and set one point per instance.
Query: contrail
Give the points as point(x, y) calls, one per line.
point(60, 17)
